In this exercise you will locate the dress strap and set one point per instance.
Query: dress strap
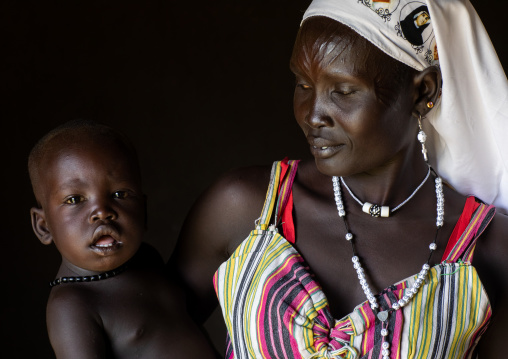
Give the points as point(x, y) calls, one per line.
point(285, 203)
point(271, 195)
point(279, 193)
point(473, 221)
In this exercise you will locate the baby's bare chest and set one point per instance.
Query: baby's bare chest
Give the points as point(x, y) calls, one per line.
point(140, 316)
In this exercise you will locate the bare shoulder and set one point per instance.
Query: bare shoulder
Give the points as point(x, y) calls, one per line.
point(69, 300)
point(492, 247)
point(218, 222)
point(490, 261)
point(73, 325)
point(228, 208)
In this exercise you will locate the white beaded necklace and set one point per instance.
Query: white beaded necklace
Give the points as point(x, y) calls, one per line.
point(384, 211)
point(410, 293)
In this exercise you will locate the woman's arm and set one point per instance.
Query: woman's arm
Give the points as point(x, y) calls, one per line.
point(491, 262)
point(218, 222)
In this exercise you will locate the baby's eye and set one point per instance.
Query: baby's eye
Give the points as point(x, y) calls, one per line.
point(120, 194)
point(73, 199)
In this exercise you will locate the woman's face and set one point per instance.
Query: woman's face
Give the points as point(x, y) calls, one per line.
point(356, 117)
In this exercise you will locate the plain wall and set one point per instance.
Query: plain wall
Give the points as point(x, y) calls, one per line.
point(200, 87)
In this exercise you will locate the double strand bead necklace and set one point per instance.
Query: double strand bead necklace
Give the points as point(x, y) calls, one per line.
point(409, 293)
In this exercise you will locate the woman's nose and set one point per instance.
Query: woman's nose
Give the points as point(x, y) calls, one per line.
point(318, 113)
point(102, 211)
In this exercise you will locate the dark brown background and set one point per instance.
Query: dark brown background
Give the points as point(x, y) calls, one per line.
point(200, 87)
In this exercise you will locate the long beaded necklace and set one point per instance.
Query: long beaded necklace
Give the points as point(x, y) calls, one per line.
point(411, 292)
point(89, 278)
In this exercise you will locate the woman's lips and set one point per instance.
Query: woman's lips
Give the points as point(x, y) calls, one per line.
point(324, 151)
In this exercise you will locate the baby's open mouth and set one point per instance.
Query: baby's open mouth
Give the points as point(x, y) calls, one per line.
point(105, 242)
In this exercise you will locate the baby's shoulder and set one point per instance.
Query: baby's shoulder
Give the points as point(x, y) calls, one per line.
point(70, 297)
point(71, 309)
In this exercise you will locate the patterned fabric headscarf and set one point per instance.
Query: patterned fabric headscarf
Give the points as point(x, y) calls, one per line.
point(467, 128)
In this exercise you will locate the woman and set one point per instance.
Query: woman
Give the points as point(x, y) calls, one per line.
point(322, 275)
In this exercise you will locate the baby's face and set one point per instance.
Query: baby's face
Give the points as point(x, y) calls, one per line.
point(93, 205)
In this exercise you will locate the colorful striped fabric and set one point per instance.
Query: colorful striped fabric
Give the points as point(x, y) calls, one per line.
point(273, 308)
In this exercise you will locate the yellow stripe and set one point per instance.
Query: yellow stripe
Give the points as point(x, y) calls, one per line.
point(465, 235)
point(271, 197)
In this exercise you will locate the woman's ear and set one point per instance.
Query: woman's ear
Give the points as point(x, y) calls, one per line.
point(40, 226)
point(428, 86)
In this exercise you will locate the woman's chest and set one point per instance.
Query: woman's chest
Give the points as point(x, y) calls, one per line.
point(385, 255)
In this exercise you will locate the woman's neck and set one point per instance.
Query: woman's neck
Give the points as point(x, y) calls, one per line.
point(390, 184)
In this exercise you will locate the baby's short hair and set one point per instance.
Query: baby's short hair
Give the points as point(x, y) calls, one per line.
point(69, 133)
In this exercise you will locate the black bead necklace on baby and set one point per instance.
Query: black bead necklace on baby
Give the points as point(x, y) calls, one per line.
point(383, 315)
point(89, 278)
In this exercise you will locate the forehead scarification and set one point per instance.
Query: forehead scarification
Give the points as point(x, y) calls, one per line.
point(324, 41)
point(328, 42)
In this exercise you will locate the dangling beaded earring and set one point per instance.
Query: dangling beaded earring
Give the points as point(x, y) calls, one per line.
point(422, 137)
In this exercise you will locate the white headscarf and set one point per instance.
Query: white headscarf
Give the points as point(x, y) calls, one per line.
point(466, 129)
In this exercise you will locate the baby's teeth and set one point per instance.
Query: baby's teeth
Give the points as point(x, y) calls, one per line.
point(324, 148)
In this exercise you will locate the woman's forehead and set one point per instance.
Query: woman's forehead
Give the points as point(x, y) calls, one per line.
point(326, 43)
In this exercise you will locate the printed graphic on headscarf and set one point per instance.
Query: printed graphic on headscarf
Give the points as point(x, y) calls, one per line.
point(414, 26)
point(384, 8)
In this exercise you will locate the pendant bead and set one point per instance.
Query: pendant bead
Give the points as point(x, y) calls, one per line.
point(422, 137)
point(375, 210)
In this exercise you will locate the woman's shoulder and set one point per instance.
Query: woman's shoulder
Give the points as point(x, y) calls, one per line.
point(494, 241)
point(490, 262)
point(240, 185)
point(224, 214)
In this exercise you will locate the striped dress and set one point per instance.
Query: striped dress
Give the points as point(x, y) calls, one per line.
point(273, 307)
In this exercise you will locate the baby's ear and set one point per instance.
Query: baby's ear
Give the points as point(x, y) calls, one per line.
point(40, 226)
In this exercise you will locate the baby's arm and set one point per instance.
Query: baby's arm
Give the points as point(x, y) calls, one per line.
point(75, 330)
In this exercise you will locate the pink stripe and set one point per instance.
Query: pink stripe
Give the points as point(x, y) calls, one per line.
point(283, 270)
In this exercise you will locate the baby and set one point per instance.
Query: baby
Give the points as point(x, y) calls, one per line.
point(110, 298)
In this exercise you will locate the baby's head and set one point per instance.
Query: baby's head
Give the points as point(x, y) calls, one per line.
point(87, 183)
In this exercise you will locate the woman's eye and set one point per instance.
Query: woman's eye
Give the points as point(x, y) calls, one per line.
point(303, 86)
point(120, 194)
point(344, 92)
point(73, 200)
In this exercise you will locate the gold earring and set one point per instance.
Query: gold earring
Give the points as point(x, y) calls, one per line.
point(430, 104)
